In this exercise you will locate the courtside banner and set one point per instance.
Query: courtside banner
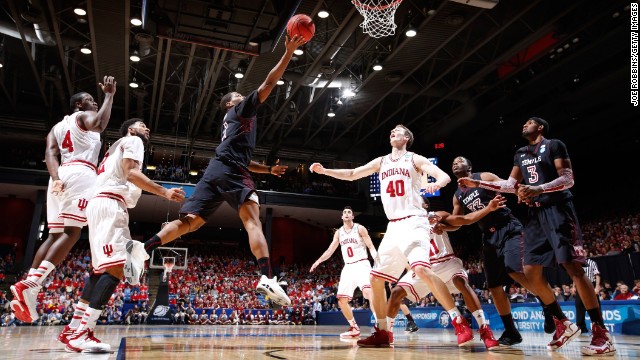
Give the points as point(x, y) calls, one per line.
point(620, 317)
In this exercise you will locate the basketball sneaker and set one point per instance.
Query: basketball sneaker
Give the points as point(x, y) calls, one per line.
point(463, 330)
point(85, 342)
point(63, 337)
point(411, 326)
point(25, 295)
point(379, 338)
point(565, 332)
point(134, 265)
point(272, 290)
point(510, 339)
point(487, 337)
point(352, 333)
point(601, 343)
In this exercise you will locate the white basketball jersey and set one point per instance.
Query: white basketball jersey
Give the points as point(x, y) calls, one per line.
point(441, 249)
point(352, 245)
point(75, 143)
point(111, 179)
point(400, 183)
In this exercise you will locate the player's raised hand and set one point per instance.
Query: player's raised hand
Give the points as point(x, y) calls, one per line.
point(317, 168)
point(497, 202)
point(108, 85)
point(314, 266)
point(292, 43)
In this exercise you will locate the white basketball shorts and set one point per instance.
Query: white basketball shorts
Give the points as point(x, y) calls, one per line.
point(355, 275)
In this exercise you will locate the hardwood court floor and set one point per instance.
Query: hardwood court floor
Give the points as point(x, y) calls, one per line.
point(280, 342)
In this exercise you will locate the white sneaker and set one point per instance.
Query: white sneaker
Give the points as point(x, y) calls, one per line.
point(25, 292)
point(352, 333)
point(85, 342)
point(134, 266)
point(272, 290)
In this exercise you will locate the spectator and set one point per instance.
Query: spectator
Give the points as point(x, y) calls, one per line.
point(625, 294)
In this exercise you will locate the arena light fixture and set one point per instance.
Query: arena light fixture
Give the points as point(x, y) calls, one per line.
point(331, 113)
point(134, 56)
point(135, 21)
point(80, 11)
point(347, 93)
point(239, 74)
point(323, 14)
point(298, 52)
point(134, 83)
point(377, 65)
point(280, 82)
point(85, 49)
point(411, 31)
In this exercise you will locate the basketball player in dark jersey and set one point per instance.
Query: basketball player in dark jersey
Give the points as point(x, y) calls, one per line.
point(501, 244)
point(227, 177)
point(552, 232)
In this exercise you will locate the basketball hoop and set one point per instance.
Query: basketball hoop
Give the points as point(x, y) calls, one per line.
point(378, 16)
point(168, 263)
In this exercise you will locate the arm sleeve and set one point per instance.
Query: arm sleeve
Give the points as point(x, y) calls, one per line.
point(503, 186)
point(562, 182)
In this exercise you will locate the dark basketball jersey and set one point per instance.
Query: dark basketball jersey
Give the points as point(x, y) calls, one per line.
point(475, 199)
point(537, 167)
point(239, 132)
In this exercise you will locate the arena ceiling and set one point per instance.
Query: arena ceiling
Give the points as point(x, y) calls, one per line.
point(468, 79)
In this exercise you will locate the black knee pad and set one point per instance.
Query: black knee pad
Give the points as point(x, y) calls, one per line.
point(103, 290)
point(89, 286)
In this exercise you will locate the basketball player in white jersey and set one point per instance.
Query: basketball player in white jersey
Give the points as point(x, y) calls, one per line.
point(401, 179)
point(76, 139)
point(451, 270)
point(354, 240)
point(118, 187)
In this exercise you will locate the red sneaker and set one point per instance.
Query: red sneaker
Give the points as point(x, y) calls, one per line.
point(601, 343)
point(463, 330)
point(24, 302)
point(63, 337)
point(487, 337)
point(379, 338)
point(565, 332)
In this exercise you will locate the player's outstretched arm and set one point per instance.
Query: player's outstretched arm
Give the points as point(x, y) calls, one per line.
point(133, 174)
point(276, 73)
point(276, 169)
point(348, 174)
point(98, 121)
point(327, 254)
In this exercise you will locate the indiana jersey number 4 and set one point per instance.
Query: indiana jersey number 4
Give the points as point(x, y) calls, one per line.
point(67, 143)
point(395, 188)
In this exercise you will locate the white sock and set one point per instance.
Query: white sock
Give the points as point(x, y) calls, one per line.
point(391, 321)
point(42, 272)
point(30, 274)
point(352, 323)
point(77, 315)
point(479, 316)
point(382, 325)
point(89, 319)
point(454, 313)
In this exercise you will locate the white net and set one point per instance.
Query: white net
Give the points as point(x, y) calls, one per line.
point(378, 16)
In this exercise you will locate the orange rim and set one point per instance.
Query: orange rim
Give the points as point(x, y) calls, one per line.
point(360, 5)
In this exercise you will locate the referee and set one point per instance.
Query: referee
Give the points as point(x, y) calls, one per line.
point(593, 274)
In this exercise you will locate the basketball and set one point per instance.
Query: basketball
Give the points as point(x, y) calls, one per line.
point(301, 25)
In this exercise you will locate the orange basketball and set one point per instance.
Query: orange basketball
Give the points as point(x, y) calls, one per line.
point(301, 25)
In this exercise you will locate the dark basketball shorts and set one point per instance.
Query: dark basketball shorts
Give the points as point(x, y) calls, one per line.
point(222, 181)
point(552, 235)
point(506, 256)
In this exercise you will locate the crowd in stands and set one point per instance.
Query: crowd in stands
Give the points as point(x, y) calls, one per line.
point(226, 279)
